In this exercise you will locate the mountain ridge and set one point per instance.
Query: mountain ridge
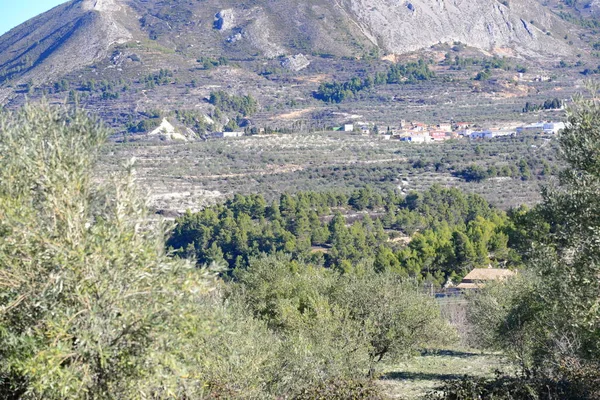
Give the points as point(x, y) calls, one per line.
point(79, 32)
point(128, 59)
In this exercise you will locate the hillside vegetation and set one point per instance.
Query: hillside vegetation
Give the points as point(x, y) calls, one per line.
point(130, 60)
point(92, 306)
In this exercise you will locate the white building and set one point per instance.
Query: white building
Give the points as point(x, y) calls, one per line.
point(349, 128)
point(417, 138)
point(553, 127)
point(487, 134)
point(531, 128)
point(218, 135)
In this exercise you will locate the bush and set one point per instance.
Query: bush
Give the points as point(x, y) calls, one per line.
point(357, 320)
point(522, 388)
point(90, 305)
point(341, 390)
point(549, 319)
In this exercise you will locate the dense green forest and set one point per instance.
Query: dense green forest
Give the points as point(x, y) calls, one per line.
point(449, 232)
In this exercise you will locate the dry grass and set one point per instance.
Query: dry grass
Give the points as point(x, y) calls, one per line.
point(417, 377)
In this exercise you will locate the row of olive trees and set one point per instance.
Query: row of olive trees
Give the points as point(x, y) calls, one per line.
point(549, 318)
point(91, 307)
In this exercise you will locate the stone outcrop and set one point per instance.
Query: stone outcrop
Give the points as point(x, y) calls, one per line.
point(295, 63)
point(404, 26)
point(225, 20)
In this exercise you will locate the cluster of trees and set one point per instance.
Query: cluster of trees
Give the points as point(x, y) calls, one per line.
point(210, 63)
point(144, 125)
point(108, 90)
point(522, 170)
point(151, 120)
point(91, 306)
point(243, 105)
point(337, 92)
point(8, 71)
point(162, 77)
point(591, 71)
point(553, 104)
point(547, 319)
point(488, 64)
point(457, 62)
point(193, 119)
point(451, 232)
point(61, 86)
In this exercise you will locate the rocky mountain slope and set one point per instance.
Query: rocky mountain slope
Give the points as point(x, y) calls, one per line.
point(127, 59)
point(79, 32)
point(490, 25)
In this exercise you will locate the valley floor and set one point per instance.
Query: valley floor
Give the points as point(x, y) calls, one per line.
point(420, 376)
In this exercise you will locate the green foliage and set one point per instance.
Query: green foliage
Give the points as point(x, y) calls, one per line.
point(474, 173)
point(549, 320)
point(362, 318)
point(86, 292)
point(61, 86)
point(145, 125)
point(210, 63)
point(504, 388)
point(243, 105)
point(341, 389)
point(553, 104)
point(162, 77)
point(90, 305)
point(522, 170)
point(458, 63)
point(193, 119)
point(246, 226)
point(337, 92)
point(483, 75)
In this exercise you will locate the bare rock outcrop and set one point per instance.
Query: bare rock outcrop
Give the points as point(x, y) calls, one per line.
point(295, 63)
point(404, 26)
point(225, 20)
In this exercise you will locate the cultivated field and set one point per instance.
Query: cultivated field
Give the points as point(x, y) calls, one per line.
point(179, 176)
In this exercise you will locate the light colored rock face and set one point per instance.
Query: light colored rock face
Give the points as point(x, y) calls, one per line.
point(101, 5)
point(295, 63)
point(402, 26)
point(252, 25)
point(225, 20)
point(167, 131)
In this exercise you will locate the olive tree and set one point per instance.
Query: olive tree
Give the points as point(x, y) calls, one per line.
point(91, 307)
point(550, 318)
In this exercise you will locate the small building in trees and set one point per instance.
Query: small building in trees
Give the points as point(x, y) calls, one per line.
point(479, 277)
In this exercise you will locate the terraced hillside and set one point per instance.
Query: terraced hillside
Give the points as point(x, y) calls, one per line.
point(132, 60)
point(192, 175)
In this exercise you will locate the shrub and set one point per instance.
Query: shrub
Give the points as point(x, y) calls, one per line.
point(90, 305)
point(357, 320)
point(341, 390)
point(550, 320)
